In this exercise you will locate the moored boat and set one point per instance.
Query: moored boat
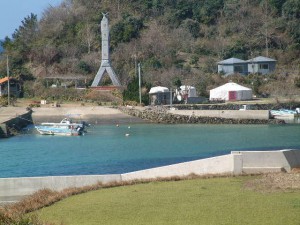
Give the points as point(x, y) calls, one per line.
point(285, 113)
point(65, 127)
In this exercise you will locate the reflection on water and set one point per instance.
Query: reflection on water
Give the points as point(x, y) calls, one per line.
point(293, 120)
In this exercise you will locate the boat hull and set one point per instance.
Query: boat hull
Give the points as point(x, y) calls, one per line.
point(57, 132)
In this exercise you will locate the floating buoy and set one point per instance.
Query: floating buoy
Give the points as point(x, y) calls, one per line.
point(127, 135)
point(117, 125)
point(128, 127)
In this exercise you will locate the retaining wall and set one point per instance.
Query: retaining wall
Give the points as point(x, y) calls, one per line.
point(269, 161)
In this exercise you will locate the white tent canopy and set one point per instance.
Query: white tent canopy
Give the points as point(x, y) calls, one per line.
point(230, 92)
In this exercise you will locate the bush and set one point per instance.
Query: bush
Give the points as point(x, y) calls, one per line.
point(297, 82)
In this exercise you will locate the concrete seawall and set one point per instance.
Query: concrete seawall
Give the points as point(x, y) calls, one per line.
point(14, 189)
point(236, 163)
point(227, 164)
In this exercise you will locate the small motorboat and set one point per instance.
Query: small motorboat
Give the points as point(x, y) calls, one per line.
point(66, 127)
point(284, 113)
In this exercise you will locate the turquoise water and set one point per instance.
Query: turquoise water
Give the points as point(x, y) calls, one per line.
point(106, 149)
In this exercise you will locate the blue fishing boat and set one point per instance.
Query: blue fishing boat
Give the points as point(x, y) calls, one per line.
point(65, 128)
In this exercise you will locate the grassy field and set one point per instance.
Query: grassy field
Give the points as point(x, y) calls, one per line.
point(199, 201)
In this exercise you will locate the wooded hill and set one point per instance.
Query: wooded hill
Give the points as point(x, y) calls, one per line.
point(174, 40)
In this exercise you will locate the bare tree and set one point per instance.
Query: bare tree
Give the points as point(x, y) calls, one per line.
point(88, 36)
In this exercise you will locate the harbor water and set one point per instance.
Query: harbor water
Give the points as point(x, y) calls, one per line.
point(110, 149)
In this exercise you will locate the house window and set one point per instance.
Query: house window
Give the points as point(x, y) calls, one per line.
point(264, 66)
point(238, 69)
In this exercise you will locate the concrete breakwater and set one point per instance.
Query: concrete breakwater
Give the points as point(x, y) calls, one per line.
point(11, 124)
point(163, 116)
point(236, 163)
point(229, 106)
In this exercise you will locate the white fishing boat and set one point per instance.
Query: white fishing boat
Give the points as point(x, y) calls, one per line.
point(65, 127)
point(285, 113)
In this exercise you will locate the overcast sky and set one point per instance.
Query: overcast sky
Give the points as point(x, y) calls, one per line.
point(14, 11)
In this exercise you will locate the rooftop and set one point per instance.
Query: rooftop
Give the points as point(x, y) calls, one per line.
point(232, 61)
point(261, 59)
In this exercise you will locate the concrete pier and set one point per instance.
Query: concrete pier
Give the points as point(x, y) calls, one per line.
point(13, 119)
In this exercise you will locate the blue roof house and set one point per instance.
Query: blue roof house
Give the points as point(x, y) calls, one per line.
point(262, 65)
point(232, 66)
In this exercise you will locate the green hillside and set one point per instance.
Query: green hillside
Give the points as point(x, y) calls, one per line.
point(172, 39)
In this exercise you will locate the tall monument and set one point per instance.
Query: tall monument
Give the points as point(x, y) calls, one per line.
point(105, 61)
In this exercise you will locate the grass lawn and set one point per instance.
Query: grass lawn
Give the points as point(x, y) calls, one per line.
point(199, 201)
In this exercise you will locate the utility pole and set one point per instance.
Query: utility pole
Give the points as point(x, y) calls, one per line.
point(135, 65)
point(8, 84)
point(140, 83)
point(171, 99)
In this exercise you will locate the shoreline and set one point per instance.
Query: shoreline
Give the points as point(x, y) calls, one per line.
point(14, 119)
point(90, 114)
point(123, 115)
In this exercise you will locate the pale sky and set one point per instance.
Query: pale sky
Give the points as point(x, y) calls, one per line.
point(14, 11)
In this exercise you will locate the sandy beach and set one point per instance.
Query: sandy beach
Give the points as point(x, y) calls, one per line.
point(90, 114)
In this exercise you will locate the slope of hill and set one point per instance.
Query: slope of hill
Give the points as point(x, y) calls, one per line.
point(174, 40)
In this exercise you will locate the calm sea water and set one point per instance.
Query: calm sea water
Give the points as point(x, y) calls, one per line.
point(106, 149)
